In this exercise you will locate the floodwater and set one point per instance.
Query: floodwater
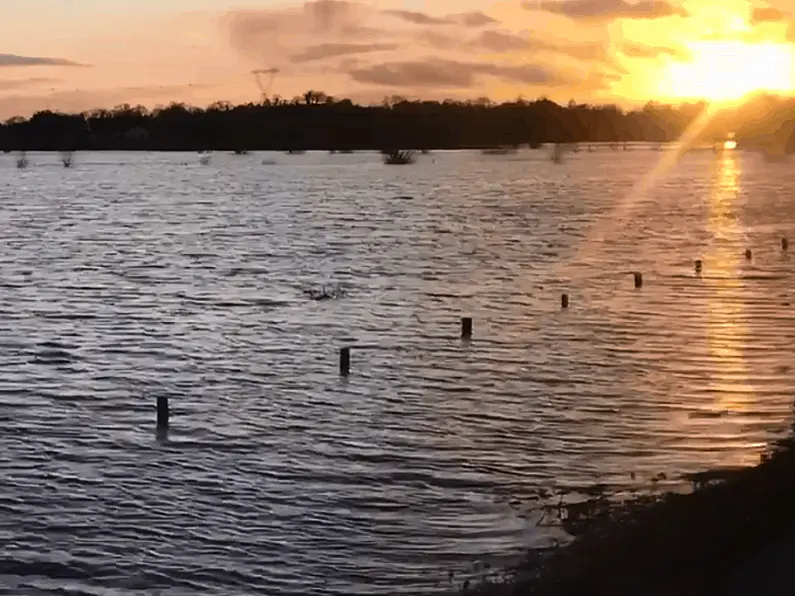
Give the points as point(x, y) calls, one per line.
point(133, 276)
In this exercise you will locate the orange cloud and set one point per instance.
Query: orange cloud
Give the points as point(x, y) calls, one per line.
point(448, 73)
point(768, 14)
point(761, 15)
point(469, 19)
point(470, 52)
point(611, 9)
point(648, 52)
point(335, 50)
point(360, 49)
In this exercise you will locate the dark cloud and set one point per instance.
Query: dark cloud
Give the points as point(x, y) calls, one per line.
point(436, 73)
point(330, 15)
point(439, 79)
point(445, 41)
point(247, 27)
point(499, 41)
point(419, 18)
point(600, 10)
point(349, 32)
point(586, 52)
point(637, 50)
point(336, 50)
point(475, 19)
point(468, 19)
point(248, 30)
point(502, 42)
point(447, 73)
point(267, 36)
point(525, 74)
point(9, 60)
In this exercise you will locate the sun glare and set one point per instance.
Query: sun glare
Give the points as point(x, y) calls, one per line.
point(727, 71)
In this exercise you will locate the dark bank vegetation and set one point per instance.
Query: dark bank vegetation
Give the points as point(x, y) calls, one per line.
point(664, 544)
point(398, 157)
point(316, 121)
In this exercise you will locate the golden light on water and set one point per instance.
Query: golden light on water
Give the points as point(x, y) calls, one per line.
point(725, 330)
point(730, 145)
point(728, 71)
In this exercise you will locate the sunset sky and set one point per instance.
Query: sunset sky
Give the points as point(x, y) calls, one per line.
point(82, 54)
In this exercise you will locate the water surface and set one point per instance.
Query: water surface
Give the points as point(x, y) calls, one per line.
point(133, 276)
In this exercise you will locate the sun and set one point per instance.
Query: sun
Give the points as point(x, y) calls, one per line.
point(728, 71)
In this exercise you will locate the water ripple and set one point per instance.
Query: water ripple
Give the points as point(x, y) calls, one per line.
point(131, 277)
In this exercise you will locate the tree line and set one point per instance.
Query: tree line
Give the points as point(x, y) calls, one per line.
point(316, 121)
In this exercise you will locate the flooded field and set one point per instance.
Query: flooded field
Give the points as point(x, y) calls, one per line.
point(133, 276)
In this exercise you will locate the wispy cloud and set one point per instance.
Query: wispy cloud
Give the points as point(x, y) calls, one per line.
point(588, 49)
point(419, 18)
point(11, 60)
point(647, 52)
point(266, 36)
point(14, 84)
point(410, 51)
point(602, 10)
point(475, 19)
point(504, 41)
point(468, 19)
point(448, 73)
point(507, 43)
point(335, 50)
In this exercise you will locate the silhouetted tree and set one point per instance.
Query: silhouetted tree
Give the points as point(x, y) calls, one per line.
point(316, 120)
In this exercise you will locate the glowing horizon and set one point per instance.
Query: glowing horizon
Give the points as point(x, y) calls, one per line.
point(728, 71)
point(96, 54)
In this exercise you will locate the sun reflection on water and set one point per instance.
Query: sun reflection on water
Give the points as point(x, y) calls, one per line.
point(726, 327)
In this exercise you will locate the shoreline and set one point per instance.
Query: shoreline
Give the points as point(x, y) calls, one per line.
point(582, 146)
point(735, 525)
point(148, 148)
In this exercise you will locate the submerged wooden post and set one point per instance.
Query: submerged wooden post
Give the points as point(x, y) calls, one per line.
point(345, 361)
point(784, 244)
point(638, 279)
point(748, 254)
point(698, 265)
point(564, 301)
point(466, 327)
point(162, 412)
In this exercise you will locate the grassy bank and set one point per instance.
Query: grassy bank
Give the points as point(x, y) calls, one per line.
point(672, 544)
